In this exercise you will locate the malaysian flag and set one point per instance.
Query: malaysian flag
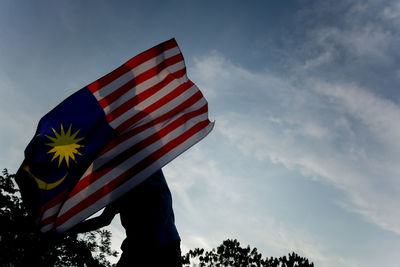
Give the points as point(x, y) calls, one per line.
point(110, 136)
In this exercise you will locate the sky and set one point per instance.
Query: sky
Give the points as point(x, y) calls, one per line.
point(304, 152)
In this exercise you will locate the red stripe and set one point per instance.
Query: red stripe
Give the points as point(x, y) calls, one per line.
point(48, 220)
point(190, 101)
point(132, 63)
point(50, 204)
point(118, 181)
point(156, 105)
point(118, 92)
point(115, 161)
point(121, 138)
point(53, 202)
point(143, 96)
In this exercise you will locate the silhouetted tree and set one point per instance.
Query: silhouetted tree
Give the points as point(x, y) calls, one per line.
point(230, 253)
point(22, 245)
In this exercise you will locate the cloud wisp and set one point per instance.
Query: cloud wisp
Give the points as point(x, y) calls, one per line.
point(349, 142)
point(213, 203)
point(339, 131)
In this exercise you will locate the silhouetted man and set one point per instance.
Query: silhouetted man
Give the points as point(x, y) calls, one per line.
point(147, 216)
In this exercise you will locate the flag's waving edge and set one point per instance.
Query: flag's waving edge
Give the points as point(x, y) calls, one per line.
point(117, 132)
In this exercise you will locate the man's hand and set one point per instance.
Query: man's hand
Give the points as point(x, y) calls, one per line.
point(96, 223)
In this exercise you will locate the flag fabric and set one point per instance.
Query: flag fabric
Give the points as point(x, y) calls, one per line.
point(110, 136)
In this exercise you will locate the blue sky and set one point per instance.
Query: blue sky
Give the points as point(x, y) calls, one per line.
point(304, 153)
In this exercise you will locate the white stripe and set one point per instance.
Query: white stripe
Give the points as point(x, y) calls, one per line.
point(132, 161)
point(156, 113)
point(47, 227)
point(100, 161)
point(145, 103)
point(136, 138)
point(127, 143)
point(139, 88)
point(135, 180)
point(140, 177)
point(51, 211)
point(123, 79)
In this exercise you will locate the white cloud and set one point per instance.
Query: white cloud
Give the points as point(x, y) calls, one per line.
point(212, 204)
point(340, 134)
point(379, 115)
point(320, 59)
point(349, 41)
point(284, 240)
point(392, 11)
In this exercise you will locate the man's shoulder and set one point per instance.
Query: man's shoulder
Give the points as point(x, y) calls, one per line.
point(156, 178)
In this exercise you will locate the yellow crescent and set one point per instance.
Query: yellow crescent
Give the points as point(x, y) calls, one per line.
point(42, 184)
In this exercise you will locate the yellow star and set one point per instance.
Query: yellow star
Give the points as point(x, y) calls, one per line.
point(64, 145)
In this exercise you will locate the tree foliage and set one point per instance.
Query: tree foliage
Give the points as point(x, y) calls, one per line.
point(230, 253)
point(22, 245)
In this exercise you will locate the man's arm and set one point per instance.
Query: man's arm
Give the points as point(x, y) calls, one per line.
point(95, 223)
